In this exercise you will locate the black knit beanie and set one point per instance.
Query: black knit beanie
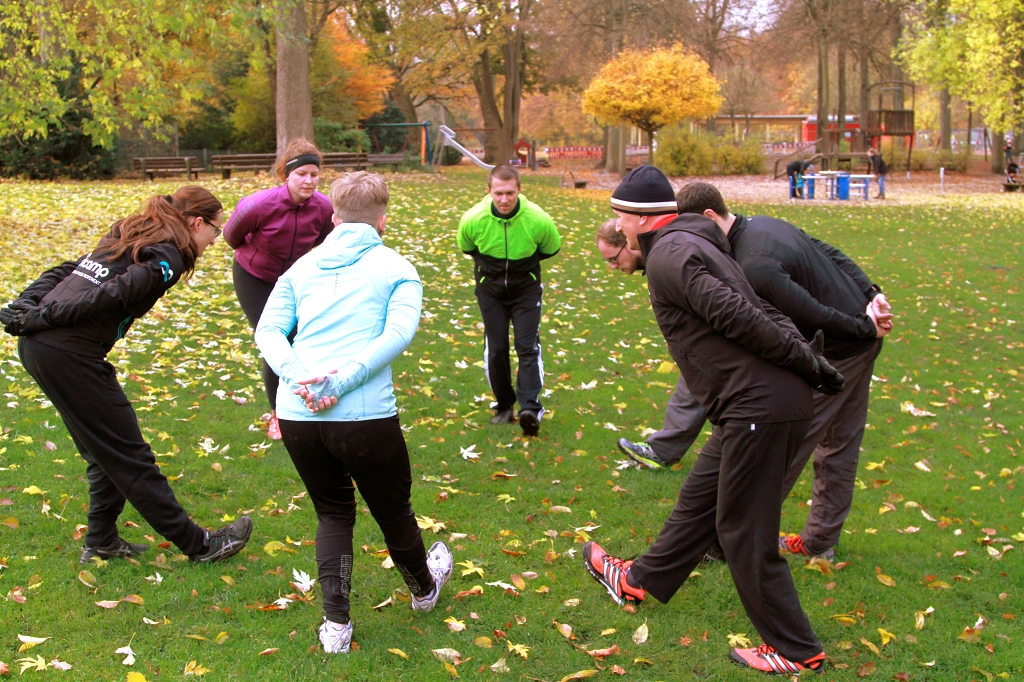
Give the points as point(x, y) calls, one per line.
point(645, 191)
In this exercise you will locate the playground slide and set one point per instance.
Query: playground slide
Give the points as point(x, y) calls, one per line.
point(448, 138)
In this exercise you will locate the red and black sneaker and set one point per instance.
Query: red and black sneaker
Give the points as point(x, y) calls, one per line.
point(611, 572)
point(794, 544)
point(766, 659)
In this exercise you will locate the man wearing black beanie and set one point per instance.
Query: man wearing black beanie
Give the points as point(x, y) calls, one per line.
point(753, 372)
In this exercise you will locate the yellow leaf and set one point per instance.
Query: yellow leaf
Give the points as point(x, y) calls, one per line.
point(521, 650)
point(739, 640)
point(451, 669)
point(564, 629)
point(273, 547)
point(579, 675)
point(228, 579)
point(886, 636)
point(518, 581)
point(876, 466)
point(199, 638)
point(872, 647)
point(483, 642)
point(133, 599)
point(136, 677)
point(886, 580)
point(641, 634)
point(667, 367)
point(399, 653)
point(221, 638)
point(87, 578)
point(607, 631)
point(33, 490)
point(454, 624)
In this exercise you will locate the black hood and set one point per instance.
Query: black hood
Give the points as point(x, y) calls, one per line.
point(694, 223)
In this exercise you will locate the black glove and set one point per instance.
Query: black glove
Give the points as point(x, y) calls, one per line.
point(21, 304)
point(21, 322)
point(830, 381)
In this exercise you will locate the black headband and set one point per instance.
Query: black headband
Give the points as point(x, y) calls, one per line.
point(301, 160)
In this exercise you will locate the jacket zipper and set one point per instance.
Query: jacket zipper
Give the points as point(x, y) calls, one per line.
point(295, 230)
point(507, 291)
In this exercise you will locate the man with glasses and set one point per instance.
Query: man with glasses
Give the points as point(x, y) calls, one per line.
point(646, 196)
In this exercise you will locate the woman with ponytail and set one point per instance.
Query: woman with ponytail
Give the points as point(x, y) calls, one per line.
point(70, 318)
point(272, 229)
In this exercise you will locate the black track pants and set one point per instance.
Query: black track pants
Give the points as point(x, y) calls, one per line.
point(523, 312)
point(735, 489)
point(121, 465)
point(329, 456)
point(252, 295)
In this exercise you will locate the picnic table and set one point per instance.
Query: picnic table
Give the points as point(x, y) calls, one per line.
point(837, 184)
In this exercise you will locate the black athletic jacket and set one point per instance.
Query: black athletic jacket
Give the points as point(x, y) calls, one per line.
point(739, 363)
point(85, 306)
point(814, 284)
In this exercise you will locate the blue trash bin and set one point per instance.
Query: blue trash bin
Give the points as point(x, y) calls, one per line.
point(843, 187)
point(809, 188)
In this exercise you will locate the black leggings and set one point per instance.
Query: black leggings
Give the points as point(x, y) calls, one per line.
point(329, 456)
point(253, 293)
point(103, 426)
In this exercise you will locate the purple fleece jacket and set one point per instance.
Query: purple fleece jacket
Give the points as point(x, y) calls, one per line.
point(269, 231)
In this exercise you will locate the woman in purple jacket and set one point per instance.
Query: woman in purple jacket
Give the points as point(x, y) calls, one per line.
point(272, 229)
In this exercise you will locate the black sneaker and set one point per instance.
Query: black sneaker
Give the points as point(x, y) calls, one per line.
point(226, 541)
point(642, 454)
point(529, 423)
point(119, 549)
point(503, 417)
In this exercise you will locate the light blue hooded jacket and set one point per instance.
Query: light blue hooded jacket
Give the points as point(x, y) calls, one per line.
point(355, 305)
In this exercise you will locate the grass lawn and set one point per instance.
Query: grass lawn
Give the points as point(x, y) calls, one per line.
point(938, 510)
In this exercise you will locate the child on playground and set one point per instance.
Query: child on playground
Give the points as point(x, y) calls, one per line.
point(70, 318)
point(355, 305)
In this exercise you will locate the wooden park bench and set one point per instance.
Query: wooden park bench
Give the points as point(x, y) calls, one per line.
point(393, 160)
point(226, 163)
point(1012, 187)
point(151, 166)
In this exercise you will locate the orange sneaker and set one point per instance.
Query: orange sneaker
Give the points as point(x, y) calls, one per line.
point(766, 659)
point(794, 544)
point(611, 572)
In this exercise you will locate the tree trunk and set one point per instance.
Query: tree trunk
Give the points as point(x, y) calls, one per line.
point(400, 96)
point(841, 86)
point(865, 100)
point(294, 105)
point(998, 160)
point(945, 120)
point(611, 150)
point(515, 71)
point(615, 149)
point(822, 112)
point(897, 70)
point(650, 147)
point(483, 81)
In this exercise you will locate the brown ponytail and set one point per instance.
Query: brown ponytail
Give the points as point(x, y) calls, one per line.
point(165, 219)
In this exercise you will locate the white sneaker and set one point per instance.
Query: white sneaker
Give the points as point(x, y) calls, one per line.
point(439, 563)
point(335, 638)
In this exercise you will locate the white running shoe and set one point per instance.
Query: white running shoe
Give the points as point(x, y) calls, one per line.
point(439, 562)
point(336, 639)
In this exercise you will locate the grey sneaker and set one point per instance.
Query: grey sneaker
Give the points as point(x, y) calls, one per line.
point(642, 454)
point(503, 417)
point(335, 638)
point(439, 562)
point(119, 549)
point(226, 541)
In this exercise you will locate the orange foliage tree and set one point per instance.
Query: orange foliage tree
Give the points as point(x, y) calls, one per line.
point(652, 89)
point(346, 85)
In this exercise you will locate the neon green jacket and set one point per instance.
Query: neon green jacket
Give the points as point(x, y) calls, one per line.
point(507, 251)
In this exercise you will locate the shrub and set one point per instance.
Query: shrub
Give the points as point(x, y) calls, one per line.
point(332, 137)
point(65, 152)
point(929, 159)
point(681, 152)
point(451, 156)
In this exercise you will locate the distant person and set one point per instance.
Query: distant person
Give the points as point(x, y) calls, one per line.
point(356, 305)
point(67, 322)
point(819, 288)
point(1012, 170)
point(272, 229)
point(795, 171)
point(508, 236)
point(878, 166)
point(645, 196)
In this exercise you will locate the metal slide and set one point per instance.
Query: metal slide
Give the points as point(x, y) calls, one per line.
point(448, 138)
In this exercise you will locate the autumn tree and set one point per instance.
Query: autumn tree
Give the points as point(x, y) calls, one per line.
point(119, 61)
point(652, 89)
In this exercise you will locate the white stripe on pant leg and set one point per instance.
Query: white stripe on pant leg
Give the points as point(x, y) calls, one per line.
point(487, 372)
point(540, 368)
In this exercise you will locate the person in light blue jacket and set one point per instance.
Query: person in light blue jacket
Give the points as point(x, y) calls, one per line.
point(355, 305)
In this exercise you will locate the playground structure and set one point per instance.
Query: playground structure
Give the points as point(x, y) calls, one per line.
point(424, 126)
point(448, 139)
point(895, 121)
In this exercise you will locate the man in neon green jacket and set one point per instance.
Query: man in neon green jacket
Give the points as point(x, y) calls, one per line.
point(508, 236)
